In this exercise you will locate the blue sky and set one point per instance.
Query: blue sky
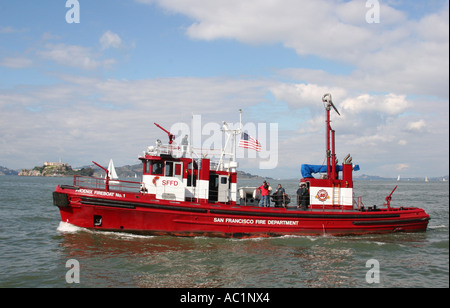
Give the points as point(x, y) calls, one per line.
point(91, 90)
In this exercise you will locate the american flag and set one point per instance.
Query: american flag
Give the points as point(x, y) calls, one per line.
point(249, 142)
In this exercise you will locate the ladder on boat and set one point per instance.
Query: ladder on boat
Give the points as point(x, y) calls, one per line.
point(336, 201)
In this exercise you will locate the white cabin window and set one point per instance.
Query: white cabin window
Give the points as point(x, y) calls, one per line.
point(157, 167)
point(168, 171)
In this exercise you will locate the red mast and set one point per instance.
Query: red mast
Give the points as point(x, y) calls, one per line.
point(331, 154)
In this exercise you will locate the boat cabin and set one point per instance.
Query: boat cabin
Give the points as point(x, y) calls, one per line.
point(169, 175)
point(332, 190)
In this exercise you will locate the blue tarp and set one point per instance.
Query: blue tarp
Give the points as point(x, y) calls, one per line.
point(308, 170)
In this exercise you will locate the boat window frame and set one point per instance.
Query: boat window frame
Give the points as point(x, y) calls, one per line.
point(148, 167)
point(161, 167)
point(168, 168)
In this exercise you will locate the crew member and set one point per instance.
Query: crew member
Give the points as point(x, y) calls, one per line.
point(303, 197)
point(279, 196)
point(264, 188)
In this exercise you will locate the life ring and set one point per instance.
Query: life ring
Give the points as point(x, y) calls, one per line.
point(155, 179)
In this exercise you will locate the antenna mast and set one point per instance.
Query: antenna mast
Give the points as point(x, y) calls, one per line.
point(231, 134)
point(331, 154)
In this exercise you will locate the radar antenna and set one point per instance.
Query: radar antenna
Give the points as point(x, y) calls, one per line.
point(326, 98)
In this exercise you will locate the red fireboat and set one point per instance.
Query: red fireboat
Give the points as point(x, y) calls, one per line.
point(186, 196)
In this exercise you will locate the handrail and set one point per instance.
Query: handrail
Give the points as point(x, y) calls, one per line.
point(101, 183)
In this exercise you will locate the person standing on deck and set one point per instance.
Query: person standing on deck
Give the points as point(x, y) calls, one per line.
point(264, 188)
point(303, 197)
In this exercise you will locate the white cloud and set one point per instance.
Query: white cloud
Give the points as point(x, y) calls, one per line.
point(84, 119)
point(115, 118)
point(110, 39)
point(75, 56)
point(397, 55)
point(16, 62)
point(304, 95)
point(389, 104)
point(10, 30)
point(417, 126)
point(332, 29)
point(401, 167)
point(384, 124)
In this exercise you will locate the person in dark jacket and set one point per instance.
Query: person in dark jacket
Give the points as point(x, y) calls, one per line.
point(279, 196)
point(303, 197)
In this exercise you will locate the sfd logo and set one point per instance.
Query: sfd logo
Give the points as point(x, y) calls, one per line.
point(322, 195)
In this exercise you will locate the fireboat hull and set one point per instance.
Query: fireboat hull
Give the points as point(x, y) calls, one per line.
point(138, 213)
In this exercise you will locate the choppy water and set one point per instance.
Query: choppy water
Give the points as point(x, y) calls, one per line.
point(35, 246)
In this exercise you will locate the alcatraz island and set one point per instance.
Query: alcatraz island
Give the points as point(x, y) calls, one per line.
point(56, 169)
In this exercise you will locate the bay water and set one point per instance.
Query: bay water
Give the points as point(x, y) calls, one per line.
point(37, 250)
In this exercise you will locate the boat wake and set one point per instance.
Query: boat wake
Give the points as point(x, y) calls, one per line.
point(66, 227)
point(437, 227)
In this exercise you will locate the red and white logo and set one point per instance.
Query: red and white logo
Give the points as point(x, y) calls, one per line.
point(322, 195)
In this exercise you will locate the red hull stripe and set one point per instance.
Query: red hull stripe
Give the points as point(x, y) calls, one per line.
point(272, 213)
point(305, 215)
point(132, 205)
point(380, 222)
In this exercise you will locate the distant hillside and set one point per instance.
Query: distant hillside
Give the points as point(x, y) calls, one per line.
point(365, 177)
point(245, 175)
point(6, 171)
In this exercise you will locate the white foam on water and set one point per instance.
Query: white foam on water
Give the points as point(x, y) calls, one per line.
point(124, 235)
point(66, 227)
point(437, 227)
point(309, 237)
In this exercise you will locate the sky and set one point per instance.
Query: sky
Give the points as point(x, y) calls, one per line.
point(85, 80)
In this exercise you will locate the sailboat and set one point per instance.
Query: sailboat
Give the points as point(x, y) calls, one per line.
point(112, 172)
point(398, 178)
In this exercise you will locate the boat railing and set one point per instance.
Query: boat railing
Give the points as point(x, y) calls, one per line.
point(358, 203)
point(101, 183)
point(178, 151)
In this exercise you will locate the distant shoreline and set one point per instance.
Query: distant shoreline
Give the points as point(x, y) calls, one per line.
point(128, 171)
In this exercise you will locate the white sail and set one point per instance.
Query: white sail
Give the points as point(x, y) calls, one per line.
point(112, 171)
